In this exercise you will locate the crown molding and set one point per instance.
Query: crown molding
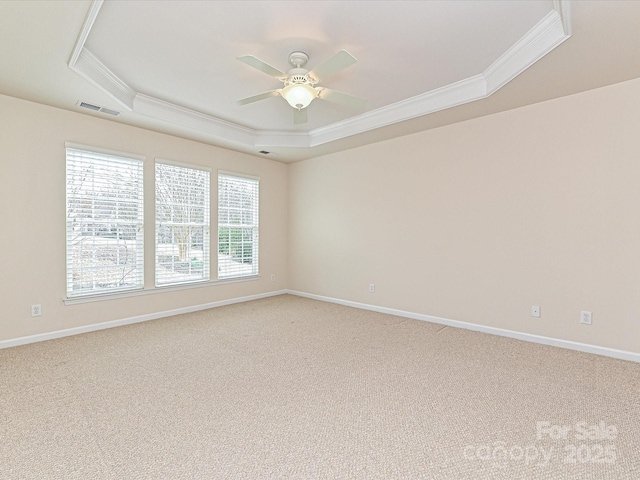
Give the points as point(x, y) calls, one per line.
point(89, 20)
point(276, 138)
point(546, 35)
point(563, 7)
point(464, 91)
point(185, 117)
point(91, 68)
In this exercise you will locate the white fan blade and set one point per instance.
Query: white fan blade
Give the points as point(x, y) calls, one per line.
point(262, 66)
point(342, 98)
point(261, 96)
point(299, 116)
point(339, 61)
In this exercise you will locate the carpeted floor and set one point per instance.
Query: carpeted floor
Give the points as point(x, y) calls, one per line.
point(292, 388)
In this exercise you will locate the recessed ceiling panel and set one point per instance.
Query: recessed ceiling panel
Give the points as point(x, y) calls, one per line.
point(161, 62)
point(185, 52)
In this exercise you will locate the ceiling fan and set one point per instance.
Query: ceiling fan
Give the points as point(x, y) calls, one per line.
point(301, 85)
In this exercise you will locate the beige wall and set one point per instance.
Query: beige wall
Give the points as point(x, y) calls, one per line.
point(480, 220)
point(32, 211)
point(476, 221)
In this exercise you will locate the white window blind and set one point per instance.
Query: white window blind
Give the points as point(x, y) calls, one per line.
point(238, 207)
point(104, 223)
point(182, 224)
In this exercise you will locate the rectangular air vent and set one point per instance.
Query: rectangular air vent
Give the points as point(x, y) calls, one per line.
point(267, 153)
point(97, 108)
point(89, 106)
point(109, 111)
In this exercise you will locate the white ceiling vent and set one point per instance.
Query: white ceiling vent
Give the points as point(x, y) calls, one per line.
point(97, 108)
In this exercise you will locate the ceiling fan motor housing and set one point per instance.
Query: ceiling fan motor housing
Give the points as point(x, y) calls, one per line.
point(299, 75)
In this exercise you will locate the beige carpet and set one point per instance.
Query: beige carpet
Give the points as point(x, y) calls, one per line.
point(288, 387)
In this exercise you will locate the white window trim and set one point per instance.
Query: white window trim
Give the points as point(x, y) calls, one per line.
point(174, 163)
point(154, 290)
point(116, 153)
point(240, 175)
point(104, 151)
point(248, 177)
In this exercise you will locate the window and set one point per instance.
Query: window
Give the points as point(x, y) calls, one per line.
point(237, 226)
point(104, 223)
point(182, 224)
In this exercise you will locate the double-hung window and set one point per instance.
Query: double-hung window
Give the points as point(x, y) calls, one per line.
point(238, 207)
point(104, 223)
point(182, 224)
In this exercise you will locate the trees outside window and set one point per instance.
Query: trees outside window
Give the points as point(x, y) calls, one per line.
point(105, 234)
point(182, 224)
point(238, 208)
point(104, 223)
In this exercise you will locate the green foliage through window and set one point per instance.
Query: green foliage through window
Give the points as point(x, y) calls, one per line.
point(238, 207)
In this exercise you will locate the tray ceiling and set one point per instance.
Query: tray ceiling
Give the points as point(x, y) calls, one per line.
point(171, 65)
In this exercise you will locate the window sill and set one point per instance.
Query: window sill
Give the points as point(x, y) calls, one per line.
point(155, 290)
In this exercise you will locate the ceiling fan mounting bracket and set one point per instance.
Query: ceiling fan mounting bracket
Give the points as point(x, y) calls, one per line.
point(298, 59)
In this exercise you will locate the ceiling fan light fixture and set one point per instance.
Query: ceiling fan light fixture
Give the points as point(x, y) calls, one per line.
point(299, 95)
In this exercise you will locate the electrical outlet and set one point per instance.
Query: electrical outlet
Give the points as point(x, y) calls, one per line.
point(273, 277)
point(36, 310)
point(535, 311)
point(372, 288)
point(585, 318)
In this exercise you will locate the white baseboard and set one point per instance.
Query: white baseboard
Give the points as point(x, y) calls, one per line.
point(527, 337)
point(41, 337)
